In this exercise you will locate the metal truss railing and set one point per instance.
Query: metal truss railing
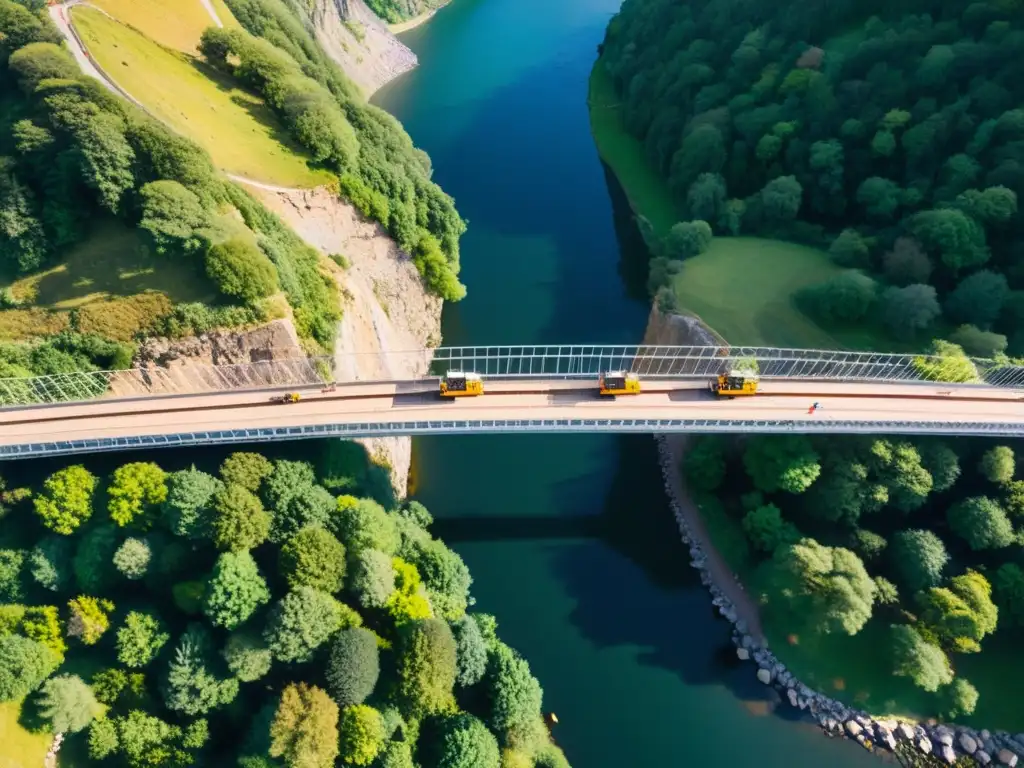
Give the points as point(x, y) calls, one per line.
point(500, 426)
point(565, 362)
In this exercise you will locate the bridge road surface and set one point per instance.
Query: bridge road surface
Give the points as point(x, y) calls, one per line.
point(393, 403)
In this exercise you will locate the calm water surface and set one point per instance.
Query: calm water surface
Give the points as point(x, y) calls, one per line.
point(569, 537)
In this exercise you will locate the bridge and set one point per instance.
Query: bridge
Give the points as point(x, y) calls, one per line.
point(528, 389)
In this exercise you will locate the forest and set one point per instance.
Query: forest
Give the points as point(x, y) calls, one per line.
point(890, 134)
point(249, 616)
point(913, 546)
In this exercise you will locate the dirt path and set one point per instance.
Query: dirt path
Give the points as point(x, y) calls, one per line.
point(719, 570)
point(213, 13)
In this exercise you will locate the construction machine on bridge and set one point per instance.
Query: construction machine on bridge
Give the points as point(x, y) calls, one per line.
point(612, 383)
point(288, 397)
point(734, 384)
point(459, 384)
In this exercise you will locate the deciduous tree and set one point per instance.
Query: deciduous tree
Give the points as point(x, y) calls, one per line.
point(304, 732)
point(239, 520)
point(140, 639)
point(353, 666)
point(925, 664)
point(471, 651)
point(918, 558)
point(134, 493)
point(235, 591)
point(981, 522)
point(426, 662)
point(313, 558)
point(787, 463)
point(361, 734)
point(828, 586)
point(301, 622)
point(66, 499)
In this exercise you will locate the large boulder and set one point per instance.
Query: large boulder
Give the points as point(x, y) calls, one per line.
point(968, 743)
point(982, 757)
point(853, 727)
point(925, 745)
point(764, 675)
point(1007, 758)
point(947, 754)
point(905, 731)
point(742, 654)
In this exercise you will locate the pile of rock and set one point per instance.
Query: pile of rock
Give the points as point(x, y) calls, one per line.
point(946, 742)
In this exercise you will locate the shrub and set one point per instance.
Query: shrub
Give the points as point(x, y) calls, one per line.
point(947, 362)
point(845, 298)
point(241, 271)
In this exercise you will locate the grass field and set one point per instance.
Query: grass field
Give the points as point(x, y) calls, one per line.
point(18, 747)
point(235, 127)
point(175, 25)
point(114, 282)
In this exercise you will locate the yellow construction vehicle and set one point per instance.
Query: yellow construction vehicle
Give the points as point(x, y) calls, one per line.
point(459, 384)
point(619, 383)
point(288, 397)
point(734, 384)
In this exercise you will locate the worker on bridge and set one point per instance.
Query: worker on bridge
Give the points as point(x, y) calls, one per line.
point(815, 406)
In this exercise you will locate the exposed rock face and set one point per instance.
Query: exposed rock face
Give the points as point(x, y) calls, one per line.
point(679, 330)
point(369, 62)
point(166, 366)
point(387, 309)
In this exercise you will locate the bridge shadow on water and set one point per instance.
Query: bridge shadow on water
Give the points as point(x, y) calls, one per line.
point(656, 602)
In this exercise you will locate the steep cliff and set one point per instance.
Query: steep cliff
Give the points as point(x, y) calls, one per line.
point(360, 43)
point(387, 310)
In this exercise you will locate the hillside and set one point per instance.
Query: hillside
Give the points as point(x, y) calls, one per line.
point(152, 241)
point(894, 140)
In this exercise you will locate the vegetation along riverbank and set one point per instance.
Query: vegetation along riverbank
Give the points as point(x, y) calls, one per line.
point(248, 615)
point(879, 157)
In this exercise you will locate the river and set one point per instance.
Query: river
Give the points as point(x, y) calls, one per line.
point(569, 538)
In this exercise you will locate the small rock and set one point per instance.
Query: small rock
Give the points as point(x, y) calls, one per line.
point(925, 745)
point(1006, 757)
point(853, 727)
point(967, 743)
point(982, 757)
point(945, 738)
point(764, 675)
point(791, 695)
point(742, 654)
point(889, 741)
point(947, 754)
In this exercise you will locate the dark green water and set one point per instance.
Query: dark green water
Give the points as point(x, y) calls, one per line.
point(569, 538)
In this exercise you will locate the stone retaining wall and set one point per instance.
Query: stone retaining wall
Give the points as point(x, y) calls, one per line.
point(946, 742)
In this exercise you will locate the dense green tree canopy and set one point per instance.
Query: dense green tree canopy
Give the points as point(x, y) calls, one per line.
point(66, 500)
point(235, 591)
point(925, 664)
point(238, 520)
point(427, 667)
point(918, 557)
point(313, 558)
point(827, 585)
point(781, 462)
point(981, 522)
point(214, 640)
point(353, 666)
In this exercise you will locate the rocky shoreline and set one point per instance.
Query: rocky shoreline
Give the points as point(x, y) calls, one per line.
point(946, 742)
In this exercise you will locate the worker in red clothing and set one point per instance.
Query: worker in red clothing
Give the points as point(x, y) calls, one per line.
point(814, 407)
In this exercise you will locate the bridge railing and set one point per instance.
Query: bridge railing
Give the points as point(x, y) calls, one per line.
point(552, 361)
